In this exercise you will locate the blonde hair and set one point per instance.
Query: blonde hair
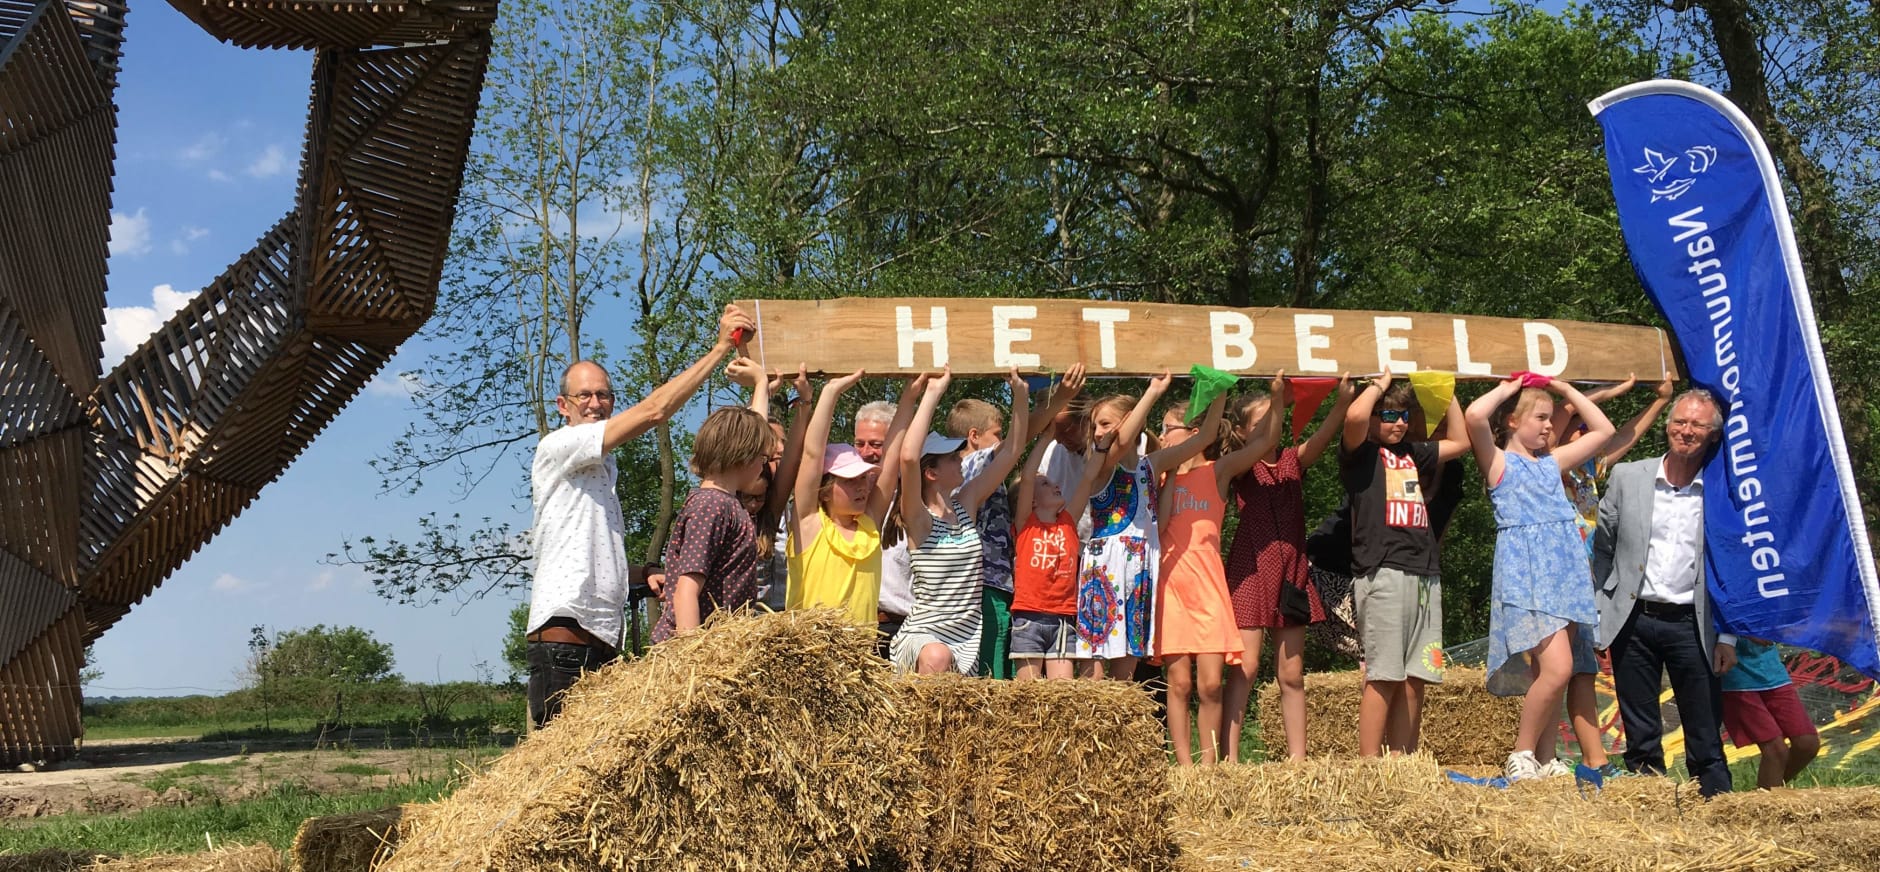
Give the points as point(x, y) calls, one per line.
point(1234, 423)
point(730, 437)
point(971, 414)
point(1515, 407)
point(1123, 404)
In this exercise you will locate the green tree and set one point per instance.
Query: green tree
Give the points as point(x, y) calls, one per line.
point(516, 643)
point(345, 655)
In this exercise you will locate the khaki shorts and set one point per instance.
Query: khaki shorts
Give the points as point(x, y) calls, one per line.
point(1400, 625)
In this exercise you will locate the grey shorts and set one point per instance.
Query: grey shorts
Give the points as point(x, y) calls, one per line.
point(1400, 624)
point(1036, 635)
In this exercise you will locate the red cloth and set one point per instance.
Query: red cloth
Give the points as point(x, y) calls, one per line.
point(1044, 570)
point(1757, 716)
point(1269, 546)
point(1308, 394)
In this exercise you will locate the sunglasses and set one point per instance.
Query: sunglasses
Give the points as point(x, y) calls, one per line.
point(1394, 416)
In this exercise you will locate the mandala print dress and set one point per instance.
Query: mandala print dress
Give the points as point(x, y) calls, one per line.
point(1116, 584)
point(1542, 580)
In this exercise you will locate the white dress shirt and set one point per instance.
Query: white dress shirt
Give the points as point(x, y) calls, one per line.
point(1677, 541)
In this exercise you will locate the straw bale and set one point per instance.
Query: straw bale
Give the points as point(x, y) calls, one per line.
point(347, 842)
point(50, 860)
point(1029, 775)
point(1291, 816)
point(1842, 823)
point(256, 858)
point(1403, 813)
point(753, 744)
point(1463, 724)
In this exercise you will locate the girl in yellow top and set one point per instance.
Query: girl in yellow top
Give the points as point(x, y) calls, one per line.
point(840, 566)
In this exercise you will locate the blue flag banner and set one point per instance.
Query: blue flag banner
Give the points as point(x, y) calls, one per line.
point(1704, 218)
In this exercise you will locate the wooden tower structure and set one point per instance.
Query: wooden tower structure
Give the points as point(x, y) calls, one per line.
point(110, 481)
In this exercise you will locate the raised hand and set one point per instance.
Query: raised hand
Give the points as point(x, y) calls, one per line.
point(745, 371)
point(845, 382)
point(1073, 379)
point(1665, 388)
point(1282, 391)
point(1159, 384)
point(734, 325)
point(938, 384)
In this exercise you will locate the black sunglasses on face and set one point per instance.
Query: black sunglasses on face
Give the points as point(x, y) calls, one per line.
point(1394, 416)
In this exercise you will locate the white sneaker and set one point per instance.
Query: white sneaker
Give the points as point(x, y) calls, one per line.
point(1555, 767)
point(1521, 766)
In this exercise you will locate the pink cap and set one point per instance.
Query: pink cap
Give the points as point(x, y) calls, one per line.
point(843, 461)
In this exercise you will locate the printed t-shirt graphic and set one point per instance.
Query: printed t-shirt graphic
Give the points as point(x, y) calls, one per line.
point(1403, 491)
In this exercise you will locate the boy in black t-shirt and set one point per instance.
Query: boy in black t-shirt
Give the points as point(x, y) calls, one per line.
point(1397, 585)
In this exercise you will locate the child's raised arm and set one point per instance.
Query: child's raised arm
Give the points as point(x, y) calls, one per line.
point(745, 371)
point(783, 484)
point(1207, 434)
point(1599, 428)
point(1123, 441)
point(1481, 431)
point(1627, 435)
point(1357, 427)
point(914, 517)
point(1333, 427)
point(1265, 435)
point(881, 499)
point(1028, 483)
point(1456, 441)
point(975, 493)
point(804, 519)
point(1079, 497)
point(1565, 418)
point(1061, 396)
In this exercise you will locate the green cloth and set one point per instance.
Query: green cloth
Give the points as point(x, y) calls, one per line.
point(1209, 383)
point(995, 635)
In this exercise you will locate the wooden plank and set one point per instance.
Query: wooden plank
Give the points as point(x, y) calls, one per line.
point(982, 336)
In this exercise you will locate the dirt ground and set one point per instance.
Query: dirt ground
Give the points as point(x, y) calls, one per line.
point(130, 774)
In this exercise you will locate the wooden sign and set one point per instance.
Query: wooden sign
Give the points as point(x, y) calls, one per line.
point(983, 336)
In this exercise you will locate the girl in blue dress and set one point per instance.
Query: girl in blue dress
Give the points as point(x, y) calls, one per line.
point(1543, 587)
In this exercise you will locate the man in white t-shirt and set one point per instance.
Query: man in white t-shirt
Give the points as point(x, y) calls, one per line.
point(577, 601)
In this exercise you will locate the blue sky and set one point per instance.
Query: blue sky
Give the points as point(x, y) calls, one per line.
point(209, 140)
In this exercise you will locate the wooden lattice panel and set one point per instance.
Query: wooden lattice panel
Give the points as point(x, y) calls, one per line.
point(113, 480)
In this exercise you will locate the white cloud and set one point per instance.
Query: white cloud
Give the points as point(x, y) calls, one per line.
point(226, 583)
point(130, 234)
point(206, 146)
point(219, 176)
point(322, 581)
point(271, 162)
point(180, 245)
point(126, 327)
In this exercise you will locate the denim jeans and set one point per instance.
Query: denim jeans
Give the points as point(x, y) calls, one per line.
point(553, 668)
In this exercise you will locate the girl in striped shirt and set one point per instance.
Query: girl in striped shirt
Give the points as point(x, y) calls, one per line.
point(941, 632)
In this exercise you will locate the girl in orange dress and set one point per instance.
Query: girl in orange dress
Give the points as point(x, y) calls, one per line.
point(1196, 636)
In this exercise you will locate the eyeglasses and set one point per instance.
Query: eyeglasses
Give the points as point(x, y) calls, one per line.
point(1394, 416)
point(584, 396)
point(1171, 427)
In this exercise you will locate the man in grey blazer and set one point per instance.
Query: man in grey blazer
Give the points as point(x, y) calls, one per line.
point(1654, 612)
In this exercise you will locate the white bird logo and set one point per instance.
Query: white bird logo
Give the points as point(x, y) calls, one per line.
point(1659, 165)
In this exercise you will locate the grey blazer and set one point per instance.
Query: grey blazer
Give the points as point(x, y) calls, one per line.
point(1620, 544)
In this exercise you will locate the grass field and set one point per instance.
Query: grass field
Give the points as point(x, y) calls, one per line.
point(272, 819)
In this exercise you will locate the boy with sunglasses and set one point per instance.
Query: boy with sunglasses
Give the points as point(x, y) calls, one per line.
point(1397, 586)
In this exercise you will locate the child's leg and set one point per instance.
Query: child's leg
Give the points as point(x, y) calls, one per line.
point(1775, 762)
point(1406, 722)
point(1374, 709)
point(1122, 668)
point(1240, 681)
point(1090, 670)
point(1208, 678)
point(1540, 711)
point(1058, 667)
point(1802, 751)
point(1181, 683)
point(1583, 710)
point(1028, 668)
point(935, 658)
point(1289, 662)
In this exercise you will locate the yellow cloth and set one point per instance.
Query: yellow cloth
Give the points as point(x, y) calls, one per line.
point(1434, 391)
point(837, 572)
